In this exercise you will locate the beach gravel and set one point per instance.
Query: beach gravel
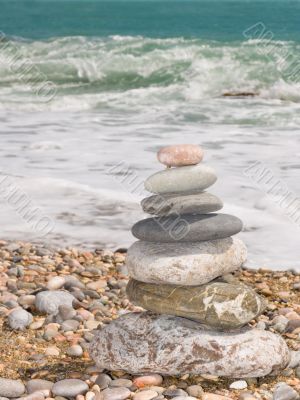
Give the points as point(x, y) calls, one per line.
point(32, 360)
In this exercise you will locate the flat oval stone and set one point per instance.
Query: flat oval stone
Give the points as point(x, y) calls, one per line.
point(184, 263)
point(11, 387)
point(170, 204)
point(187, 228)
point(142, 342)
point(120, 393)
point(217, 305)
point(180, 155)
point(181, 180)
point(69, 387)
point(37, 385)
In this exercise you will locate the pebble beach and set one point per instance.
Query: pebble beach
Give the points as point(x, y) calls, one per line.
point(99, 301)
point(44, 344)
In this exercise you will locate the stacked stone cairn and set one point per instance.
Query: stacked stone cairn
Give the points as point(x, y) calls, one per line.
point(180, 271)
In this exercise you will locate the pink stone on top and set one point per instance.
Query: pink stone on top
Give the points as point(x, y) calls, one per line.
point(180, 155)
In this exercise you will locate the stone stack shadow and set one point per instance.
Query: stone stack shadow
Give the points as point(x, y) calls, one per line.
point(180, 271)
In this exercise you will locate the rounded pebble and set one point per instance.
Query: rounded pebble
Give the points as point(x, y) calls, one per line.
point(47, 302)
point(188, 228)
point(295, 359)
point(37, 324)
point(181, 180)
point(212, 396)
point(69, 387)
point(66, 312)
point(247, 396)
point(70, 325)
point(90, 396)
point(52, 351)
point(34, 396)
point(145, 395)
point(180, 155)
point(284, 392)
point(238, 385)
point(148, 380)
point(103, 381)
point(56, 282)
point(35, 385)
point(195, 391)
point(118, 393)
point(169, 393)
point(19, 319)
point(75, 351)
point(184, 398)
point(11, 388)
point(121, 383)
point(172, 204)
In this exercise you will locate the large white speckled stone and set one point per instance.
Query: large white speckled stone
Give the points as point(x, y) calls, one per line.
point(184, 263)
point(144, 342)
point(181, 180)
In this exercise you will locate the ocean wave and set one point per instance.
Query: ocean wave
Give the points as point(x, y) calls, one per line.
point(111, 71)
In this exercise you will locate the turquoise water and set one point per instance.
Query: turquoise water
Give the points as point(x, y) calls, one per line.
point(223, 20)
point(127, 77)
point(89, 47)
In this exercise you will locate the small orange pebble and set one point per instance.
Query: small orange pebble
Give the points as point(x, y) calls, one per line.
point(293, 382)
point(292, 315)
point(148, 380)
point(60, 338)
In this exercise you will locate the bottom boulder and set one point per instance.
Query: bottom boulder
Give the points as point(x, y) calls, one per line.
point(145, 342)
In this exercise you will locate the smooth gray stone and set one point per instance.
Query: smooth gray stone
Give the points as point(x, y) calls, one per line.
point(11, 388)
point(120, 393)
point(295, 359)
point(121, 382)
point(19, 319)
point(145, 342)
point(170, 393)
point(48, 301)
point(218, 305)
point(170, 204)
point(187, 228)
point(103, 381)
point(66, 312)
point(184, 263)
point(10, 304)
point(180, 180)
point(69, 388)
point(75, 351)
point(285, 392)
point(70, 325)
point(36, 385)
